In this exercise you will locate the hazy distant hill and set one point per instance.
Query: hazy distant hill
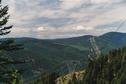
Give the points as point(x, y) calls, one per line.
point(105, 41)
point(48, 54)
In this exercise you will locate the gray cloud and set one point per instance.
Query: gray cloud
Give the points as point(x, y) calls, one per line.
point(61, 18)
point(52, 22)
point(109, 25)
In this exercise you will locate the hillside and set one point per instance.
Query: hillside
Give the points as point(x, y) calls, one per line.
point(67, 78)
point(49, 55)
point(107, 69)
point(105, 42)
point(46, 55)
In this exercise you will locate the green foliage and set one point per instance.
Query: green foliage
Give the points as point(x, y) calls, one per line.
point(50, 54)
point(47, 78)
point(8, 73)
point(47, 55)
point(109, 69)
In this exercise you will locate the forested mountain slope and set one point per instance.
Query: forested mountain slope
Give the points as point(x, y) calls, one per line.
point(107, 69)
point(48, 55)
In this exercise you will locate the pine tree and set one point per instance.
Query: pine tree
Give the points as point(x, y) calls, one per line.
point(8, 73)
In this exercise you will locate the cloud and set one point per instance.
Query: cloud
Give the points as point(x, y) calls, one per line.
point(53, 22)
point(69, 4)
point(64, 18)
point(65, 29)
point(100, 1)
point(110, 16)
point(64, 32)
point(80, 27)
point(41, 29)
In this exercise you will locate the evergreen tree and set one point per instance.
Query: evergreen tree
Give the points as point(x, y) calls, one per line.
point(45, 78)
point(8, 73)
point(112, 69)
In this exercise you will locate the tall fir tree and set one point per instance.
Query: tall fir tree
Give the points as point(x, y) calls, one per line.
point(8, 74)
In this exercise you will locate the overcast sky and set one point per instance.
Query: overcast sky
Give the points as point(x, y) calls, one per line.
point(65, 18)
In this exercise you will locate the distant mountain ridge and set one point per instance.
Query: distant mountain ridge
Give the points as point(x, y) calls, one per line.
point(49, 54)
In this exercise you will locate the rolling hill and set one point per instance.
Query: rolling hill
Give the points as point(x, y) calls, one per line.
point(46, 55)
